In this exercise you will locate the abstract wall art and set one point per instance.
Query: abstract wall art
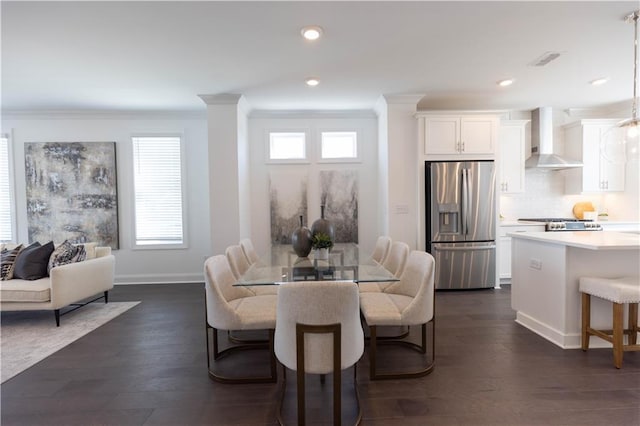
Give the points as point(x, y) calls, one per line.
point(72, 192)
point(288, 200)
point(339, 195)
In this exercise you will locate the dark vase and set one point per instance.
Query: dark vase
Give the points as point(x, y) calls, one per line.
point(323, 225)
point(301, 240)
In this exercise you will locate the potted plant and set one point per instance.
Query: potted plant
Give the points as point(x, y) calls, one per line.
point(321, 243)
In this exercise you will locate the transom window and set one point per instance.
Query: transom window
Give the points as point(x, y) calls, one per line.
point(287, 146)
point(339, 145)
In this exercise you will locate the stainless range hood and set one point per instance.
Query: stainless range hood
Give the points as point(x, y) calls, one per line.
point(542, 155)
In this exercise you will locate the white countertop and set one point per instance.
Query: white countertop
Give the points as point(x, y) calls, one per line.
point(511, 222)
point(592, 240)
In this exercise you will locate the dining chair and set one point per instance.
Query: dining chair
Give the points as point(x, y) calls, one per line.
point(408, 302)
point(381, 249)
point(240, 264)
point(394, 262)
point(235, 308)
point(249, 251)
point(318, 331)
point(237, 260)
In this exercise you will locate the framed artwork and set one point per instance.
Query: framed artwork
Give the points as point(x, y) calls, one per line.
point(287, 201)
point(339, 195)
point(72, 192)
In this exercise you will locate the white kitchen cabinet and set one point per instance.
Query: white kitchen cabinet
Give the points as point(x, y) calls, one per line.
point(599, 174)
point(511, 155)
point(504, 246)
point(456, 135)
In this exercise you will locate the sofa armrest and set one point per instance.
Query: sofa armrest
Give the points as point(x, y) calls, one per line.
point(76, 281)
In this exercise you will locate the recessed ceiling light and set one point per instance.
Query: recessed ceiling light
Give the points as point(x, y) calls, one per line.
point(312, 81)
point(599, 81)
point(505, 82)
point(312, 32)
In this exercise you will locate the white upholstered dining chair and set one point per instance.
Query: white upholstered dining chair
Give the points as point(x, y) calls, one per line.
point(237, 260)
point(408, 302)
point(381, 249)
point(318, 331)
point(235, 308)
point(239, 263)
point(394, 262)
point(249, 250)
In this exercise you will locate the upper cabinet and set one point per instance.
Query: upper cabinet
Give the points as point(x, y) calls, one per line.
point(585, 140)
point(454, 136)
point(511, 155)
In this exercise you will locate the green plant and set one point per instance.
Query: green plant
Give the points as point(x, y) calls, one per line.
point(321, 240)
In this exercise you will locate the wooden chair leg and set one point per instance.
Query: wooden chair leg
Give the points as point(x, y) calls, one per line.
point(618, 333)
point(586, 320)
point(633, 323)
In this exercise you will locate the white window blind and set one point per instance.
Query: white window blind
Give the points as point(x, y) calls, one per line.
point(339, 145)
point(6, 216)
point(158, 190)
point(287, 146)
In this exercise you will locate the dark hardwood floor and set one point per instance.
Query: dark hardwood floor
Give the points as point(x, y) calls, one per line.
point(148, 367)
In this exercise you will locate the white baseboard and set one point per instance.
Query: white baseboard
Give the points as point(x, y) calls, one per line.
point(565, 341)
point(158, 279)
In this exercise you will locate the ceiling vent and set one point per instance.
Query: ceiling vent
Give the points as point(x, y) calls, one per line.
point(545, 59)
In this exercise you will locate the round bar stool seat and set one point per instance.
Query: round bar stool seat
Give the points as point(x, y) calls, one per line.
point(620, 291)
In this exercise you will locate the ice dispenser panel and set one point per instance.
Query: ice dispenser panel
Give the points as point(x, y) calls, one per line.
point(448, 215)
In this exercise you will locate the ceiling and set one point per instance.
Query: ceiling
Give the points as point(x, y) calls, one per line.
point(160, 55)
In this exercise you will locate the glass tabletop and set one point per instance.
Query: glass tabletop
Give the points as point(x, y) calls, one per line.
point(281, 264)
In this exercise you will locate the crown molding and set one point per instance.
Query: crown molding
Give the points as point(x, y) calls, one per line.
point(409, 98)
point(351, 114)
point(221, 99)
point(605, 111)
point(103, 114)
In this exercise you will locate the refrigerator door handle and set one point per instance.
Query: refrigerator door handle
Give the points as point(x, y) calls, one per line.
point(465, 206)
point(488, 247)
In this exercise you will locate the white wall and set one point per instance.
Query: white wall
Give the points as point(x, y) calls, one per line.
point(404, 199)
point(260, 123)
point(132, 266)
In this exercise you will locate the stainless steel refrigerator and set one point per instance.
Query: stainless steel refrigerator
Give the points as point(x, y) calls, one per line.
point(461, 223)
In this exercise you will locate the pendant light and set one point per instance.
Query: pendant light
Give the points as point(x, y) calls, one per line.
point(631, 126)
point(621, 143)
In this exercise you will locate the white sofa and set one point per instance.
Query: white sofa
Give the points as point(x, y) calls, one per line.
point(66, 285)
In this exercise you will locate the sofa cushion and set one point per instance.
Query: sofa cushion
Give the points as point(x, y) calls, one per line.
point(66, 253)
point(26, 291)
point(31, 263)
point(8, 261)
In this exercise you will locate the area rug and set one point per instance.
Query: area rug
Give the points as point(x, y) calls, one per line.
point(29, 337)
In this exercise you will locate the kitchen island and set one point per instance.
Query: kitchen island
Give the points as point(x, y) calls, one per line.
point(546, 268)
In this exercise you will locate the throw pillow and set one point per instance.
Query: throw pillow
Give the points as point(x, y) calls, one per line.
point(66, 253)
point(31, 263)
point(90, 248)
point(8, 260)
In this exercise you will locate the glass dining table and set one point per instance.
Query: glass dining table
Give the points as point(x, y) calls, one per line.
point(345, 263)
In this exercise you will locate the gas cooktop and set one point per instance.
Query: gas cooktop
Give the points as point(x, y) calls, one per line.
point(566, 224)
point(554, 219)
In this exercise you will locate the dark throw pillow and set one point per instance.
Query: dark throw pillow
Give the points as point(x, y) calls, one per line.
point(7, 262)
point(32, 262)
point(66, 253)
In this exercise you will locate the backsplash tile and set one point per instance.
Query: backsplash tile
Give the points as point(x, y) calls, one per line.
point(544, 197)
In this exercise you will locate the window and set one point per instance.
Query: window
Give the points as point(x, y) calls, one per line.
point(287, 146)
point(339, 145)
point(6, 192)
point(158, 189)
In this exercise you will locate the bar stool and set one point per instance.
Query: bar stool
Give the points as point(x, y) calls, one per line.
point(620, 291)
